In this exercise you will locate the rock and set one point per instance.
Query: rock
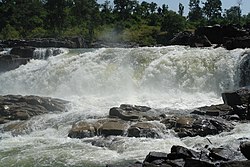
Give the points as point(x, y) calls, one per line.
point(198, 163)
point(144, 129)
point(182, 38)
point(214, 110)
point(23, 52)
point(16, 107)
point(213, 33)
point(245, 149)
point(82, 130)
point(179, 152)
point(221, 154)
point(244, 70)
point(196, 125)
point(235, 164)
point(199, 41)
point(231, 98)
point(113, 127)
point(129, 112)
point(153, 156)
point(239, 42)
point(10, 62)
point(217, 34)
point(17, 128)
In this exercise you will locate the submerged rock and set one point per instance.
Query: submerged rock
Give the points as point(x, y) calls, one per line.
point(9, 62)
point(144, 129)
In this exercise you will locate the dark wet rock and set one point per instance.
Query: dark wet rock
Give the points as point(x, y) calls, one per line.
point(232, 98)
point(16, 107)
point(184, 157)
point(82, 130)
point(214, 110)
point(129, 112)
point(23, 52)
point(181, 38)
point(180, 152)
point(245, 149)
point(235, 164)
point(196, 125)
point(144, 129)
point(199, 41)
point(17, 128)
point(239, 42)
point(198, 163)
point(10, 62)
point(217, 34)
point(113, 127)
point(244, 70)
point(46, 42)
point(222, 154)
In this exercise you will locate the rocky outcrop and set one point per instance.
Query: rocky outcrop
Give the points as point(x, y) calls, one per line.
point(74, 42)
point(184, 157)
point(17, 107)
point(237, 42)
point(194, 125)
point(217, 34)
point(190, 39)
point(10, 62)
point(23, 52)
point(142, 121)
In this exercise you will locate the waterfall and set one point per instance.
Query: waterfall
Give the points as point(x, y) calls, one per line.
point(176, 78)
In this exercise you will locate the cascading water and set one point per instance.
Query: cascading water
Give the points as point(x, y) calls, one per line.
point(94, 80)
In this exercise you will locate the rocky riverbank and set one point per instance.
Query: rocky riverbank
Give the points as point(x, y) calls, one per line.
point(142, 121)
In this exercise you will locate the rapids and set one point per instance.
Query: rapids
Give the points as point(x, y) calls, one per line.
point(173, 78)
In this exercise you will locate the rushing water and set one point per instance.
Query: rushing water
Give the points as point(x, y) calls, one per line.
point(94, 80)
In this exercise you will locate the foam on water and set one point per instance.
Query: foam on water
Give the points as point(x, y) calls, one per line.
point(173, 77)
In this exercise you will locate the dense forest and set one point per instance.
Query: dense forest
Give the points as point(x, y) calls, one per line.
point(115, 21)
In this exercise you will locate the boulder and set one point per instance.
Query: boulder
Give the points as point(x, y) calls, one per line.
point(239, 42)
point(144, 129)
point(182, 38)
point(199, 41)
point(218, 34)
point(82, 130)
point(16, 107)
point(194, 125)
point(235, 164)
point(113, 127)
point(129, 112)
point(11, 62)
point(213, 33)
point(23, 52)
point(245, 149)
point(214, 110)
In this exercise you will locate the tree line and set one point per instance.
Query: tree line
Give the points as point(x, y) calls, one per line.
point(120, 20)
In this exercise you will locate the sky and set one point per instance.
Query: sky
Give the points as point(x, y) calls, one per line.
point(174, 4)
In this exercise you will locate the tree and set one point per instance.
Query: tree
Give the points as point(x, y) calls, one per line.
point(181, 9)
point(124, 8)
point(232, 15)
point(56, 15)
point(173, 23)
point(195, 13)
point(212, 9)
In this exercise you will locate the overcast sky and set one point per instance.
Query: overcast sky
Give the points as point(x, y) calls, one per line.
point(174, 4)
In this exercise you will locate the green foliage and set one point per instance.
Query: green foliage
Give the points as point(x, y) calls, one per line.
point(126, 20)
point(212, 9)
point(173, 23)
point(144, 35)
point(232, 15)
point(195, 13)
point(9, 32)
